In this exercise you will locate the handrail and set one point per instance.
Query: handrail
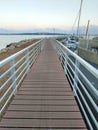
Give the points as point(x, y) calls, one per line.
point(13, 70)
point(18, 53)
point(83, 62)
point(84, 81)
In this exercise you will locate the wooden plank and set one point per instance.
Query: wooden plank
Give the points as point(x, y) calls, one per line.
point(36, 129)
point(45, 93)
point(52, 84)
point(42, 115)
point(43, 108)
point(44, 123)
point(45, 89)
point(45, 102)
point(31, 97)
point(40, 129)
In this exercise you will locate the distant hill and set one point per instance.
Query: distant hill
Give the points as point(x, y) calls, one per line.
point(35, 31)
point(93, 30)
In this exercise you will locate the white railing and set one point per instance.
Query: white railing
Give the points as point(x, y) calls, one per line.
point(84, 81)
point(13, 70)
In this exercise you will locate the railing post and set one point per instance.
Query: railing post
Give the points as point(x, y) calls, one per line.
point(40, 49)
point(75, 83)
point(41, 46)
point(14, 75)
point(61, 59)
point(65, 63)
point(27, 60)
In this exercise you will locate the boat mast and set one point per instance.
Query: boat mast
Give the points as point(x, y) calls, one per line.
point(79, 18)
point(86, 36)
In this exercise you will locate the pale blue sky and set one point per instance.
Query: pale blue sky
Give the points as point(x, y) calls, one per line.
point(32, 14)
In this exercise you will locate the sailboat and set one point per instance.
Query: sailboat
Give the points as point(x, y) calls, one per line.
point(72, 42)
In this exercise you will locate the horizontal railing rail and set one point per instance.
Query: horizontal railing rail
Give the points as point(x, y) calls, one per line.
point(84, 81)
point(13, 70)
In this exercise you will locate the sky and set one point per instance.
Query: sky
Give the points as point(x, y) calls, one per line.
point(34, 14)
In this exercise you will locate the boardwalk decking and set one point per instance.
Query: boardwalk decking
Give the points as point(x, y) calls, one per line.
point(45, 100)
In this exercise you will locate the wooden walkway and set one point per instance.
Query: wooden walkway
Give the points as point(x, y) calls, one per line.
point(45, 100)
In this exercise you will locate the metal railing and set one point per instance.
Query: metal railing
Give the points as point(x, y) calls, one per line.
point(84, 81)
point(13, 70)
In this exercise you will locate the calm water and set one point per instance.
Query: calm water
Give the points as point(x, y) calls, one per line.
point(7, 39)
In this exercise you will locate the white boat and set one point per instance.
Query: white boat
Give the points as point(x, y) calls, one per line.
point(71, 43)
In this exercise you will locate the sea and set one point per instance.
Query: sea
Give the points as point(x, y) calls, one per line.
point(7, 39)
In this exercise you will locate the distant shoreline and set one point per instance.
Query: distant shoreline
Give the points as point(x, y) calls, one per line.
point(32, 33)
point(47, 33)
